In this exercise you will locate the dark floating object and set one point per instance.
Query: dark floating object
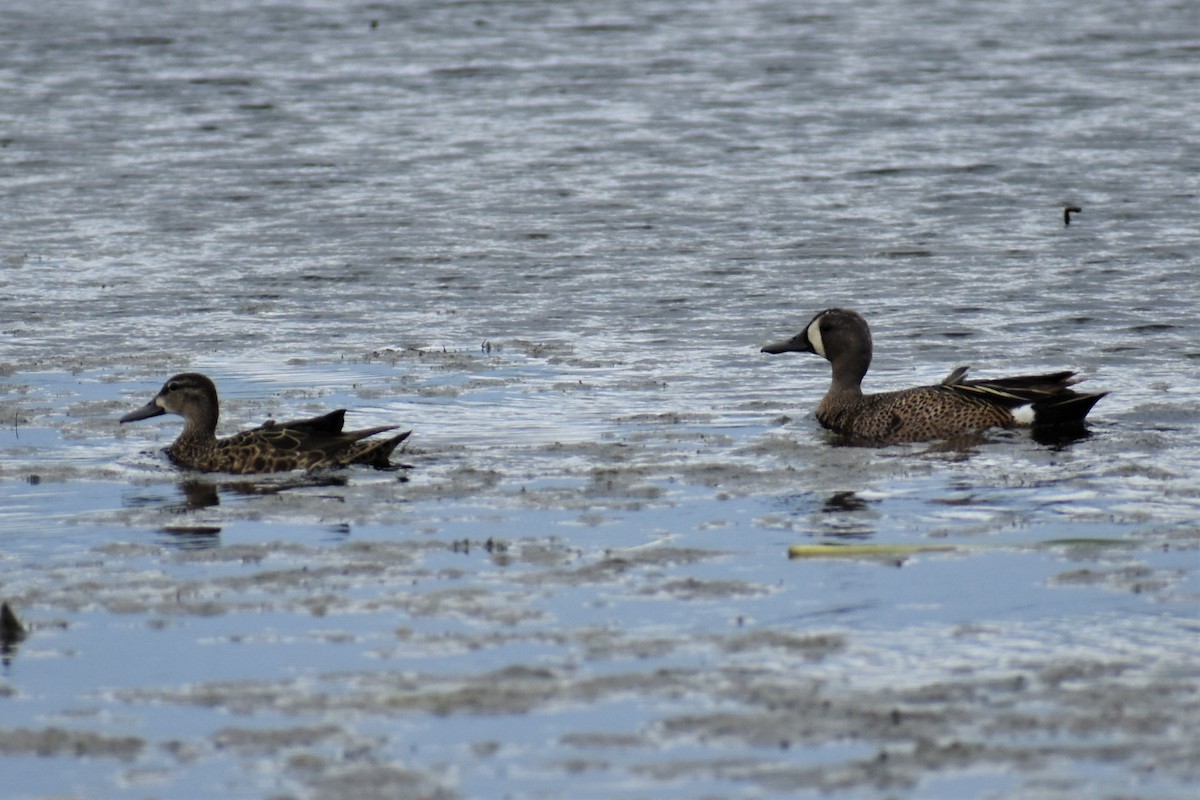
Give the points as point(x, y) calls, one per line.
point(952, 408)
point(1067, 213)
point(271, 447)
point(11, 629)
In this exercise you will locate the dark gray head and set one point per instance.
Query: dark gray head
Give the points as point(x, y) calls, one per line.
point(837, 334)
point(833, 333)
point(190, 395)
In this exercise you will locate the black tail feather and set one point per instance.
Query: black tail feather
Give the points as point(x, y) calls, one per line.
point(1067, 408)
point(378, 453)
point(1050, 396)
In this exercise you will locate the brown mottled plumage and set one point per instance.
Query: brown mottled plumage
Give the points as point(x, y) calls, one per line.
point(951, 408)
point(271, 447)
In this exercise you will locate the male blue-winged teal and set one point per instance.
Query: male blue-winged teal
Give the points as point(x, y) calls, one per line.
point(271, 447)
point(951, 408)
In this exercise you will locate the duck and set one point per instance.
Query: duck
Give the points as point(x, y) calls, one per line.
point(954, 407)
point(307, 444)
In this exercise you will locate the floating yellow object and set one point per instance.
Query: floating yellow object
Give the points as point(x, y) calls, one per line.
point(900, 551)
point(890, 551)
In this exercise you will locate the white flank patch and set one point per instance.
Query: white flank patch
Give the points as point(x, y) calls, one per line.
point(1023, 415)
point(814, 336)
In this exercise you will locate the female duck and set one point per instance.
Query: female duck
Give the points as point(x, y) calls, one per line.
point(272, 447)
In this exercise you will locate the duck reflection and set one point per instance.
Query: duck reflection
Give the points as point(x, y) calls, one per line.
point(197, 495)
point(194, 494)
point(962, 446)
point(843, 514)
point(1061, 437)
point(191, 537)
point(847, 515)
point(843, 501)
point(201, 493)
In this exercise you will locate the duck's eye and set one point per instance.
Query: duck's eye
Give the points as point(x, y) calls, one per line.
point(172, 386)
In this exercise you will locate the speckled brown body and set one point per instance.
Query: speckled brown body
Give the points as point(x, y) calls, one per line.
point(910, 415)
point(951, 408)
point(272, 447)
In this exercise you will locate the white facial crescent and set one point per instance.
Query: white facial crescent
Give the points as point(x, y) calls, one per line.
point(814, 336)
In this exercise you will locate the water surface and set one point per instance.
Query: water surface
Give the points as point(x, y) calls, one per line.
point(551, 238)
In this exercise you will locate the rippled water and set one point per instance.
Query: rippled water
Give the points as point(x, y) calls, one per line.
point(551, 237)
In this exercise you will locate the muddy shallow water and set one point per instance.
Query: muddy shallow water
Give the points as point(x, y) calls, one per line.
point(550, 238)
